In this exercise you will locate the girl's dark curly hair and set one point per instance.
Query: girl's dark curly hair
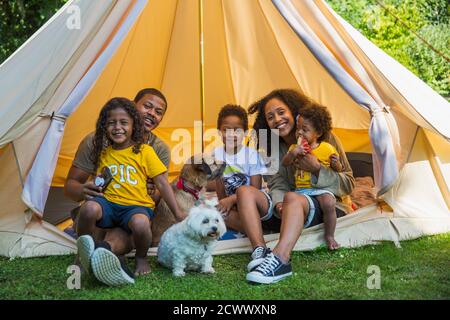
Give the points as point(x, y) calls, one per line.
point(320, 119)
point(295, 101)
point(101, 140)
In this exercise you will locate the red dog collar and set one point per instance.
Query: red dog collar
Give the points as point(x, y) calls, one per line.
point(181, 185)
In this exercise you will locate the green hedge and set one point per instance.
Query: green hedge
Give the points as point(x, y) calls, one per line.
point(428, 18)
point(19, 19)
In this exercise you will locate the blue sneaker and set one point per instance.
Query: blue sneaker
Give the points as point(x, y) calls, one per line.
point(271, 270)
point(258, 256)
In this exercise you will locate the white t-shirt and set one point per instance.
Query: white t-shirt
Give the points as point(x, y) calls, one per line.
point(239, 167)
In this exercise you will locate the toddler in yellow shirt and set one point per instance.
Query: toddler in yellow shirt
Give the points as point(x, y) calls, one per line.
point(313, 127)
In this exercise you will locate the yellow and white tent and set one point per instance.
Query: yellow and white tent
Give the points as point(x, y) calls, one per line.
point(203, 54)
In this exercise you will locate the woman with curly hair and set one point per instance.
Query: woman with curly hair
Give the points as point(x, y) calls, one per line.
point(276, 112)
point(120, 149)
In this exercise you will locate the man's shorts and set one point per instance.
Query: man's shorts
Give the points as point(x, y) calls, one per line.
point(116, 215)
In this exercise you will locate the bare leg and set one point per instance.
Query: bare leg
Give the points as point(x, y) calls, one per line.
point(98, 234)
point(90, 213)
point(328, 205)
point(120, 241)
point(252, 204)
point(142, 236)
point(233, 221)
point(211, 185)
point(292, 221)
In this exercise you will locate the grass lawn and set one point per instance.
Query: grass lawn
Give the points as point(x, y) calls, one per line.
point(419, 270)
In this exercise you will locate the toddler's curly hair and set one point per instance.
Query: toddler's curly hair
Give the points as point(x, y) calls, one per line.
point(320, 119)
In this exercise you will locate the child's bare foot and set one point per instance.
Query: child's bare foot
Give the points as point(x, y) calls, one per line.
point(331, 243)
point(142, 266)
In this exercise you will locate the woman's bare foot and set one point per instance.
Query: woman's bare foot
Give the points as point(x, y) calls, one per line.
point(142, 266)
point(331, 243)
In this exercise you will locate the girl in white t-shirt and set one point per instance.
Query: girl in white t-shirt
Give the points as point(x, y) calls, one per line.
point(244, 166)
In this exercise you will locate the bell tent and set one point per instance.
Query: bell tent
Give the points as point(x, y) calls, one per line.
point(203, 54)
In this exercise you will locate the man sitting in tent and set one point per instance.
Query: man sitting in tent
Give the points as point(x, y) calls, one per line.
point(152, 105)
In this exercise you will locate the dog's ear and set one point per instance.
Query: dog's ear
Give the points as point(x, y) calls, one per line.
point(216, 166)
point(192, 222)
point(204, 167)
point(198, 163)
point(209, 165)
point(218, 171)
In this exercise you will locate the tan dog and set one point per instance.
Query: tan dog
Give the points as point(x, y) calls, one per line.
point(193, 178)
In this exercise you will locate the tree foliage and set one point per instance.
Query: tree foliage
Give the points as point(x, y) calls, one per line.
point(430, 19)
point(19, 19)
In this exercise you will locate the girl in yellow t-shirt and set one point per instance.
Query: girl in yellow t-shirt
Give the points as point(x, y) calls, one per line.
point(119, 147)
point(313, 126)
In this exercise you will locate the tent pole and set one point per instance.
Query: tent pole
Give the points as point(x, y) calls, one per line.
point(202, 71)
point(436, 168)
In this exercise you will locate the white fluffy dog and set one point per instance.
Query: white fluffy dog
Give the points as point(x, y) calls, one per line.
point(188, 245)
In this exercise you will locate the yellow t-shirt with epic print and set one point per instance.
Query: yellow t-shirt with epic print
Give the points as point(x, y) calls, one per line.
point(130, 172)
point(323, 152)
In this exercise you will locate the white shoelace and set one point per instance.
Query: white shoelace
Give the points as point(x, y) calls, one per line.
point(268, 264)
point(259, 251)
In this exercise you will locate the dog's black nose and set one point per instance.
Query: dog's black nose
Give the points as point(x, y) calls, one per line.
point(214, 229)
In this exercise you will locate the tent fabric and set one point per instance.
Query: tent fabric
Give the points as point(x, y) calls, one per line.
point(39, 177)
point(55, 84)
point(424, 105)
point(25, 102)
point(385, 156)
